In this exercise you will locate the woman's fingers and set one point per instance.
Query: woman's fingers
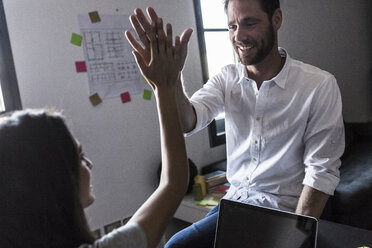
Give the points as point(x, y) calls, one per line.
point(141, 64)
point(152, 14)
point(139, 30)
point(160, 61)
point(133, 42)
point(142, 19)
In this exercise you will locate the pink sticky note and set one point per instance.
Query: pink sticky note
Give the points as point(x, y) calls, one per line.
point(80, 66)
point(125, 97)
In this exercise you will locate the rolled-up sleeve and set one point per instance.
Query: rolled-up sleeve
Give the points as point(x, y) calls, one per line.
point(324, 139)
point(208, 102)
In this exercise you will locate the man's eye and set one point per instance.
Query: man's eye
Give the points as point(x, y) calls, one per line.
point(250, 24)
point(232, 27)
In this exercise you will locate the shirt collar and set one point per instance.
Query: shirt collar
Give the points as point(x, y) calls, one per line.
point(281, 78)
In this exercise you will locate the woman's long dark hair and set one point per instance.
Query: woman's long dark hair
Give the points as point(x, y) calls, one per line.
point(39, 183)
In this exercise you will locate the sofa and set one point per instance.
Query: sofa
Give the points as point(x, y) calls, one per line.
point(352, 201)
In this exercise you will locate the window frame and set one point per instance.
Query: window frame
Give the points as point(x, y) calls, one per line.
point(215, 138)
point(8, 78)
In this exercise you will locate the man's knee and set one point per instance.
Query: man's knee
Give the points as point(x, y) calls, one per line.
point(182, 239)
point(199, 234)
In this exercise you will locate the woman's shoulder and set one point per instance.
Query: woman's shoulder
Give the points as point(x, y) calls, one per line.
point(128, 236)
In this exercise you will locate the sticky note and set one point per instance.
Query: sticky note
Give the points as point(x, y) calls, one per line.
point(147, 94)
point(95, 99)
point(125, 97)
point(80, 66)
point(212, 203)
point(76, 39)
point(203, 203)
point(94, 17)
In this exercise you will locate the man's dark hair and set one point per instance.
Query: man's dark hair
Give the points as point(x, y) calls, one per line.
point(269, 6)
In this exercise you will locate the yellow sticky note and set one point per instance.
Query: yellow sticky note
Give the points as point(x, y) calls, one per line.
point(212, 203)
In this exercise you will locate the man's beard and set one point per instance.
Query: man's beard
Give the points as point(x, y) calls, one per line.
point(267, 45)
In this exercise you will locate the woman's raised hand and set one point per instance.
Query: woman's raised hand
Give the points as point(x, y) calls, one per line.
point(156, 43)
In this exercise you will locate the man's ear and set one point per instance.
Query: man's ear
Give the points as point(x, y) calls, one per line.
point(277, 19)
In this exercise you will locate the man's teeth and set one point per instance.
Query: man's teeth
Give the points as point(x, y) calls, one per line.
point(245, 47)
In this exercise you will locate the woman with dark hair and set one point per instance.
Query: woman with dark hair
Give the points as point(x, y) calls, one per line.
point(39, 182)
point(45, 177)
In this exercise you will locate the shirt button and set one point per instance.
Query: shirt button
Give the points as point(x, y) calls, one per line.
point(258, 118)
point(254, 159)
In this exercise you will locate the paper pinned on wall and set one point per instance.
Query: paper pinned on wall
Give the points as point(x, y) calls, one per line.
point(110, 64)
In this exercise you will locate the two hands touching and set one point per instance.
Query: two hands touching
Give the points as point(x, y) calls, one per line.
point(159, 58)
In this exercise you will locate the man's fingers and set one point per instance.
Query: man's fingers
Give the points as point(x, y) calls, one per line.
point(185, 37)
point(177, 41)
point(161, 36)
point(177, 50)
point(169, 38)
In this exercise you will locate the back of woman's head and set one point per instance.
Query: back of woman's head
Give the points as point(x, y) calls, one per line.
point(39, 182)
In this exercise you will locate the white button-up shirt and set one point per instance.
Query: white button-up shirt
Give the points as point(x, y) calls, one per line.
point(288, 133)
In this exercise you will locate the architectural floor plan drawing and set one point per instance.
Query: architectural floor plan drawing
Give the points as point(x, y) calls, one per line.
point(111, 67)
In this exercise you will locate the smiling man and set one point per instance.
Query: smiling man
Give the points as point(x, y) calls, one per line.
point(283, 119)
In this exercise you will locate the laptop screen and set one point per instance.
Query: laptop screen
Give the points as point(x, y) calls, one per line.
point(242, 225)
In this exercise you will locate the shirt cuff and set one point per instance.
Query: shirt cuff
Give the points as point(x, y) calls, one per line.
point(324, 182)
point(198, 114)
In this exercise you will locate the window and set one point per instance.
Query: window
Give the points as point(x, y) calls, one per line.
point(2, 106)
point(9, 93)
point(216, 51)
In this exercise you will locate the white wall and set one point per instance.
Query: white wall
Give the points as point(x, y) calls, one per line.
point(122, 140)
point(335, 35)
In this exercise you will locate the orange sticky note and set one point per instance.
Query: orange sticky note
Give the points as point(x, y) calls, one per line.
point(95, 99)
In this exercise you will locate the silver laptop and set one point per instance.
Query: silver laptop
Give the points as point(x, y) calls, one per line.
point(243, 225)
